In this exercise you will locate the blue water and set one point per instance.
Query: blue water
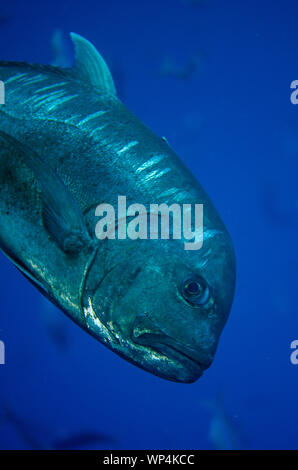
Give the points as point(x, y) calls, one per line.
point(232, 122)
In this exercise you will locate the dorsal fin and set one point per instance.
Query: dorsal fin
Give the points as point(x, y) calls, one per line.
point(90, 64)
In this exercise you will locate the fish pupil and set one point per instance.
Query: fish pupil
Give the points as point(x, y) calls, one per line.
point(193, 288)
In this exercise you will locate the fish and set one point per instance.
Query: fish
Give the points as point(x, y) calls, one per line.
point(24, 430)
point(36, 437)
point(59, 49)
point(68, 144)
point(83, 439)
point(185, 72)
point(223, 432)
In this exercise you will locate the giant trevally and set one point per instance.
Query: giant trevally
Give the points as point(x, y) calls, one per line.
point(67, 145)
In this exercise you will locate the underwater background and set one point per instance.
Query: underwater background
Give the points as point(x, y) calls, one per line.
point(213, 77)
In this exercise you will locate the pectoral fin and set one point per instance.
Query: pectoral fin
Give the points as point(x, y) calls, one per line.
point(61, 214)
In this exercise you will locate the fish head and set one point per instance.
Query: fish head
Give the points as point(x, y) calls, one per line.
point(166, 306)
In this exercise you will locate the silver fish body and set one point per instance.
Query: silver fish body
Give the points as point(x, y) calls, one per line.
point(67, 145)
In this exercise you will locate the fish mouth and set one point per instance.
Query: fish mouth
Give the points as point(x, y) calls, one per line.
point(174, 351)
point(194, 366)
point(192, 360)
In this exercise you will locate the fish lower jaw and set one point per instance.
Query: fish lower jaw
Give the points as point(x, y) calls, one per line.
point(168, 363)
point(192, 365)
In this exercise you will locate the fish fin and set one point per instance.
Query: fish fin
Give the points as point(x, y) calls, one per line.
point(61, 215)
point(90, 64)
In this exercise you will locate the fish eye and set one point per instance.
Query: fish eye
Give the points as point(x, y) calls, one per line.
point(195, 290)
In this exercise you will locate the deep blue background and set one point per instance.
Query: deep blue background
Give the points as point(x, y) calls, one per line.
point(233, 124)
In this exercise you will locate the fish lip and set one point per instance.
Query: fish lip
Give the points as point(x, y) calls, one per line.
point(173, 350)
point(193, 365)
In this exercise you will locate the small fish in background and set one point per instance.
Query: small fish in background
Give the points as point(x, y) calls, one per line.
point(24, 429)
point(223, 430)
point(31, 434)
point(169, 67)
point(56, 324)
point(82, 440)
point(60, 53)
